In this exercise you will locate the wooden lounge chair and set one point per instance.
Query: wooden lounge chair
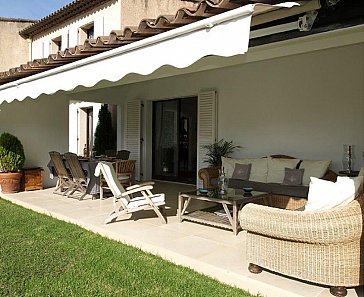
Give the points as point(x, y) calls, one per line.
point(124, 202)
point(78, 175)
point(124, 171)
point(65, 182)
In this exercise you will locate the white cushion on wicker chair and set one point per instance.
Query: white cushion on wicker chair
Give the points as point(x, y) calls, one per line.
point(323, 194)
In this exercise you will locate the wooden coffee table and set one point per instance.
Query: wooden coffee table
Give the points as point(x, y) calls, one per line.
point(215, 216)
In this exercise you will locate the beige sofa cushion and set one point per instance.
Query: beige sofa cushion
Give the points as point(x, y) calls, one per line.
point(259, 169)
point(276, 168)
point(313, 169)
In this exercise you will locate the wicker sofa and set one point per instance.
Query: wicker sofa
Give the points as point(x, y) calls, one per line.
point(209, 177)
point(323, 247)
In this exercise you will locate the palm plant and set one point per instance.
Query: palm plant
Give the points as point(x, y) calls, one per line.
point(218, 149)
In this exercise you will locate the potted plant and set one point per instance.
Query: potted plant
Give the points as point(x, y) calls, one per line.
point(218, 149)
point(12, 160)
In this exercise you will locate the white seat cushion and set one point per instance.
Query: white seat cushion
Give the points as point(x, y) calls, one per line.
point(123, 177)
point(139, 201)
point(324, 195)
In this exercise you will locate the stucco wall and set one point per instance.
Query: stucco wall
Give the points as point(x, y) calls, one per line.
point(114, 15)
point(136, 10)
point(106, 18)
point(305, 105)
point(14, 50)
point(41, 125)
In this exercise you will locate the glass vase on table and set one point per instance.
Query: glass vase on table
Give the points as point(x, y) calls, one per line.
point(222, 182)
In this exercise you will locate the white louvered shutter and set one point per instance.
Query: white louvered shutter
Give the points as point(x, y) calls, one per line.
point(132, 133)
point(207, 126)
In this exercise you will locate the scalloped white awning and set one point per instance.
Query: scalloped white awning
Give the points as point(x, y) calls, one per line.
point(226, 35)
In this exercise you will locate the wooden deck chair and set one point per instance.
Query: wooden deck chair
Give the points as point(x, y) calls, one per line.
point(65, 182)
point(78, 175)
point(124, 202)
point(124, 171)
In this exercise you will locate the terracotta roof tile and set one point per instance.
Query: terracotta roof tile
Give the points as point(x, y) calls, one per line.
point(117, 38)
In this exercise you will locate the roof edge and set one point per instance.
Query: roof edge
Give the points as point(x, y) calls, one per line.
point(18, 20)
point(59, 16)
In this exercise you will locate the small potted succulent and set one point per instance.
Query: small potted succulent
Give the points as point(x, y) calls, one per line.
point(12, 160)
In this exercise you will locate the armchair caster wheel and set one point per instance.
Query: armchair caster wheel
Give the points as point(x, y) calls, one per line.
point(255, 268)
point(338, 291)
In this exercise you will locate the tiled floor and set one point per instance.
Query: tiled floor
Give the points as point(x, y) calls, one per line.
point(212, 251)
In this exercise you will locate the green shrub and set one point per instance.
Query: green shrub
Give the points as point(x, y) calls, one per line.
point(104, 135)
point(12, 156)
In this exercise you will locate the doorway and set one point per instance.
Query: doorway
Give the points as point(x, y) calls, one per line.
point(85, 139)
point(175, 140)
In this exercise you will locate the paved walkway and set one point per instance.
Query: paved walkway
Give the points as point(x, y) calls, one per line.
point(211, 251)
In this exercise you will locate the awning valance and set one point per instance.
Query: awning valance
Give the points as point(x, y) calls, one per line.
point(226, 34)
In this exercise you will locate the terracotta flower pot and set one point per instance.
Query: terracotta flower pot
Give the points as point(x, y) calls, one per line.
point(10, 182)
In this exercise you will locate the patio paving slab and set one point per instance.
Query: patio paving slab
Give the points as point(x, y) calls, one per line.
point(208, 250)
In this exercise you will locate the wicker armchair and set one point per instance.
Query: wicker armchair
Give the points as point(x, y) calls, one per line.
point(323, 247)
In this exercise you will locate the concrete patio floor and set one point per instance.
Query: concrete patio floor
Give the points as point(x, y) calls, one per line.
point(208, 250)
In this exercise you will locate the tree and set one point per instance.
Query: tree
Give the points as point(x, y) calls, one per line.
point(104, 134)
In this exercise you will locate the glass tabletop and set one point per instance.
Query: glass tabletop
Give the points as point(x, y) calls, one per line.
point(231, 194)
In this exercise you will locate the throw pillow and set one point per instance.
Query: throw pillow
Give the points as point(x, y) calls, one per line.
point(276, 168)
point(242, 171)
point(258, 172)
point(293, 177)
point(324, 195)
point(313, 169)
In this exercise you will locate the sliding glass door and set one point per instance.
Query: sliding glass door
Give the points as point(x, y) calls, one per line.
point(175, 139)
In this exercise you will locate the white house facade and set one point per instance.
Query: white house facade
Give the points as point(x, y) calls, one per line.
point(301, 96)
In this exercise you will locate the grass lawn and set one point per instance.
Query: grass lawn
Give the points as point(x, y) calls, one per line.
point(41, 256)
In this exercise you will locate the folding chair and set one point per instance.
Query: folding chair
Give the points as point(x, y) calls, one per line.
point(123, 201)
point(78, 175)
point(65, 182)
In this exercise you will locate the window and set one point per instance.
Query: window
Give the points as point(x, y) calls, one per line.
point(56, 44)
point(90, 33)
point(86, 32)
